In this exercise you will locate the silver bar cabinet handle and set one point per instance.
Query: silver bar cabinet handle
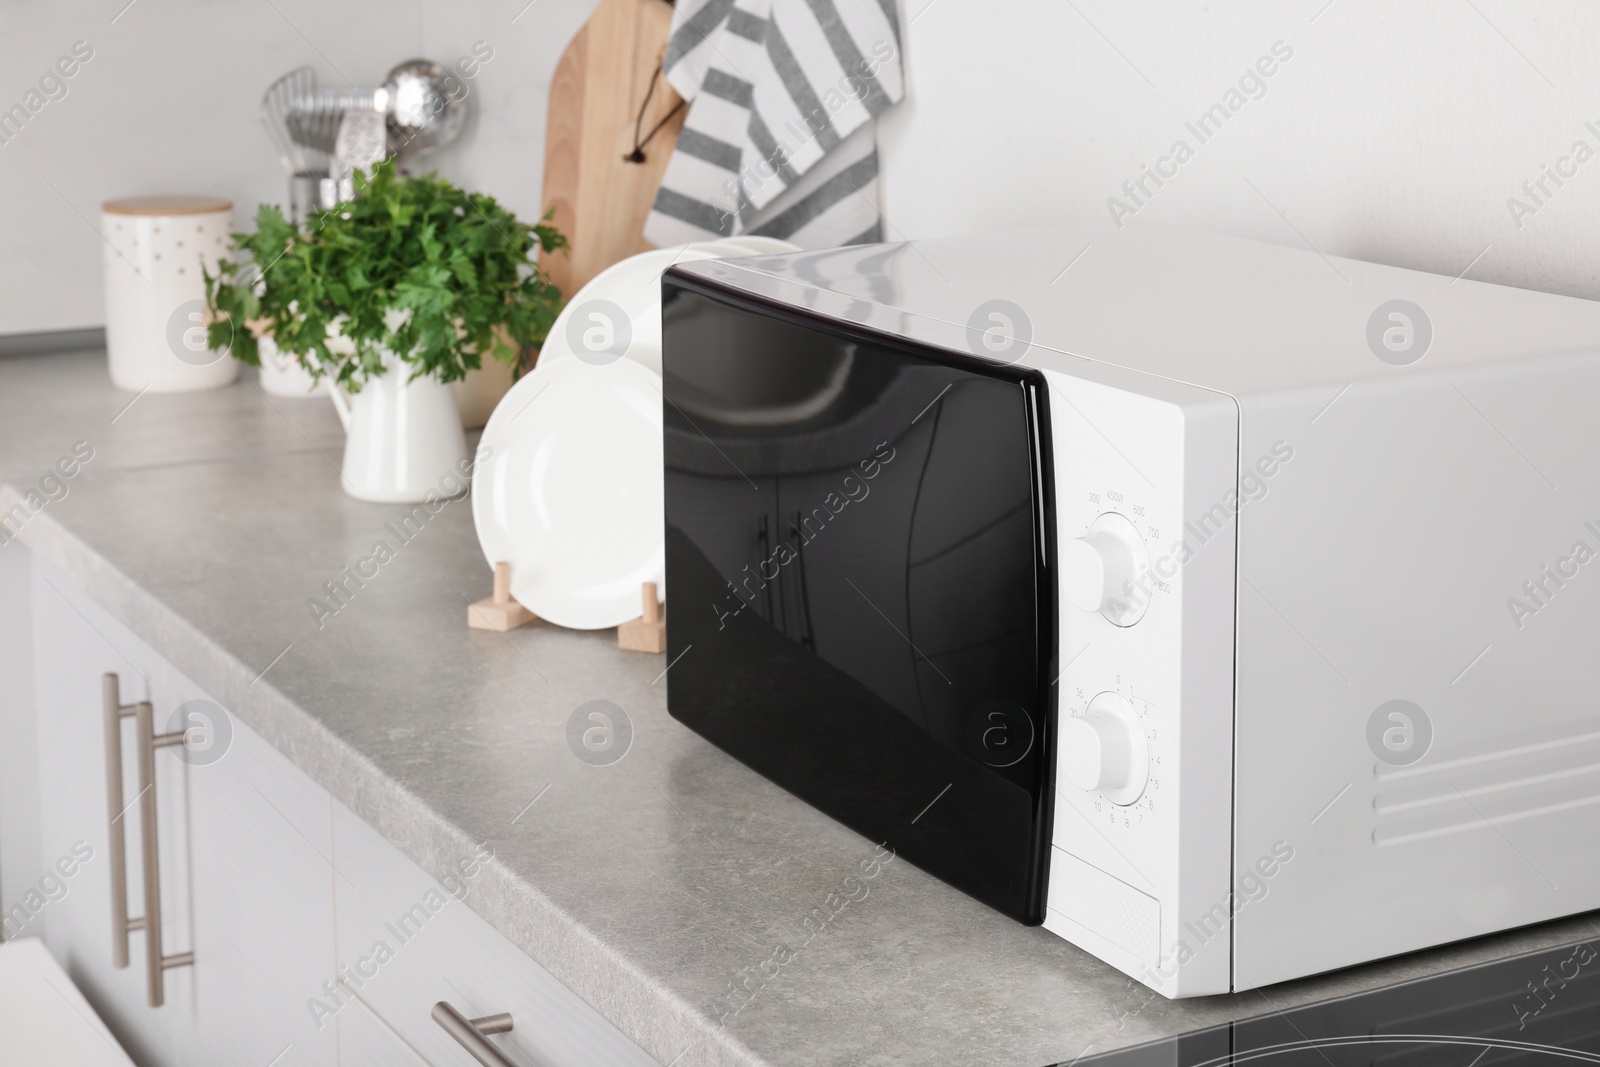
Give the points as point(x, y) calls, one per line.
point(469, 1033)
point(156, 964)
point(115, 712)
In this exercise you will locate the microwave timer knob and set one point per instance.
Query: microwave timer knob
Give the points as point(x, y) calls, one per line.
point(1104, 750)
point(1096, 568)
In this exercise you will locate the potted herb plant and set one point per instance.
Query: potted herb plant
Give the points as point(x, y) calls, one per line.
point(389, 298)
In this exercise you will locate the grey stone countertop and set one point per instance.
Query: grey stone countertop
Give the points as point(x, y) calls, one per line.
point(659, 887)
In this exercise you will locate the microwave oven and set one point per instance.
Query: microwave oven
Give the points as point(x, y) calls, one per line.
point(1230, 610)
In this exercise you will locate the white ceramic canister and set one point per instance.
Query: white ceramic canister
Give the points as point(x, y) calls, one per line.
point(154, 250)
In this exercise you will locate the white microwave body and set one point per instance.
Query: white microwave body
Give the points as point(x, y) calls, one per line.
point(1338, 699)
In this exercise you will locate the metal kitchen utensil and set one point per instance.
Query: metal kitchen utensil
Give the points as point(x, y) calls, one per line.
point(304, 158)
point(315, 114)
point(362, 143)
point(421, 113)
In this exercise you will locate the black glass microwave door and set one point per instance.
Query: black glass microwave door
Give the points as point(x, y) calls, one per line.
point(852, 565)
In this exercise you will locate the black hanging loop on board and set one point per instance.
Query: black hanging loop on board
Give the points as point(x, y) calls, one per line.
point(637, 155)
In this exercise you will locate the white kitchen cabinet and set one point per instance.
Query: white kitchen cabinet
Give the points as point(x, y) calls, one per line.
point(410, 942)
point(75, 645)
point(20, 865)
point(366, 1039)
point(261, 907)
point(282, 895)
point(243, 848)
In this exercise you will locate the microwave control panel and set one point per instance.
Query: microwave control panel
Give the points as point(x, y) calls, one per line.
point(1146, 475)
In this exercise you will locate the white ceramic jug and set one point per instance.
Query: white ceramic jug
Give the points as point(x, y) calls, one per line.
point(403, 439)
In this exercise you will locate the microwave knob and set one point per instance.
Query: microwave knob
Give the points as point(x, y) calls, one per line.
point(1104, 750)
point(1098, 570)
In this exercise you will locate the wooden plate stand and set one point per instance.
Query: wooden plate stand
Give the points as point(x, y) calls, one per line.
point(499, 612)
point(648, 633)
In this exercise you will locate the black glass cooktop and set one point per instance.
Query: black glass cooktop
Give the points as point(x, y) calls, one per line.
point(1542, 1008)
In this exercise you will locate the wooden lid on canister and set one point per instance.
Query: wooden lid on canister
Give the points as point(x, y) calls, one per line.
point(167, 205)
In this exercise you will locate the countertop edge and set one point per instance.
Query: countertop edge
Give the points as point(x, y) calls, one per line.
point(659, 1021)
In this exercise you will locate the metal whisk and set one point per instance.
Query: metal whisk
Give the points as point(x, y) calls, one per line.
point(299, 137)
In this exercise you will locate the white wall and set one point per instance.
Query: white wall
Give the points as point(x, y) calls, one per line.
point(1395, 133)
point(502, 149)
point(169, 104)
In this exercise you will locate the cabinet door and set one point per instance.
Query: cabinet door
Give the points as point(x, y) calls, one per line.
point(75, 644)
point(260, 906)
point(406, 942)
point(366, 1039)
point(244, 855)
point(20, 865)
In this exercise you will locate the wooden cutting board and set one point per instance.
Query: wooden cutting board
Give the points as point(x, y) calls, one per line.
point(600, 200)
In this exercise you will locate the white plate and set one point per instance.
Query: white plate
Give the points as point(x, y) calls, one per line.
point(619, 312)
point(571, 494)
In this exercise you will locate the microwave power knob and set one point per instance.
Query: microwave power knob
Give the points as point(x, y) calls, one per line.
point(1099, 570)
point(1104, 750)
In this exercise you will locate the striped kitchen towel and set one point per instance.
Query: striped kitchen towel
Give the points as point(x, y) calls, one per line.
point(778, 140)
